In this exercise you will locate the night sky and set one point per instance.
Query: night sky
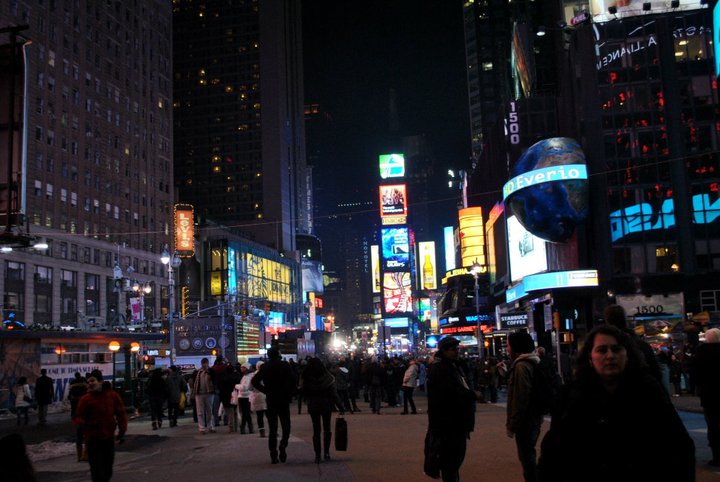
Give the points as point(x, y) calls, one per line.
point(354, 53)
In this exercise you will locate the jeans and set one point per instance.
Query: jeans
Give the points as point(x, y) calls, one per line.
point(101, 455)
point(712, 418)
point(20, 412)
point(231, 414)
point(278, 412)
point(408, 398)
point(525, 440)
point(156, 409)
point(260, 415)
point(173, 411)
point(42, 413)
point(452, 455)
point(204, 411)
point(376, 394)
point(245, 415)
point(327, 432)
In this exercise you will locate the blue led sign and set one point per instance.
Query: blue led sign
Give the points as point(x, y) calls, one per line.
point(549, 281)
point(562, 172)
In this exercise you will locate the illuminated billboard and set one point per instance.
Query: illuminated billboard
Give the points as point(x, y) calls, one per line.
point(184, 231)
point(526, 251)
point(392, 165)
point(397, 293)
point(393, 201)
point(375, 267)
point(424, 310)
point(472, 237)
point(551, 281)
point(395, 248)
point(631, 8)
point(716, 37)
point(232, 272)
point(397, 322)
point(449, 242)
point(428, 265)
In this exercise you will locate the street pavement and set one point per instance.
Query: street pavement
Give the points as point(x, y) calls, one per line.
point(385, 447)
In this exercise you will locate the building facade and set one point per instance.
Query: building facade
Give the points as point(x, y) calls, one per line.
point(239, 130)
point(95, 154)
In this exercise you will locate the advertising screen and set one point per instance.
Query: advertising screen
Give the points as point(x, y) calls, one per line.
point(397, 293)
point(375, 267)
point(184, 231)
point(393, 200)
point(395, 248)
point(449, 242)
point(424, 310)
point(397, 322)
point(716, 37)
point(232, 272)
point(392, 165)
point(527, 252)
point(631, 8)
point(428, 265)
point(472, 237)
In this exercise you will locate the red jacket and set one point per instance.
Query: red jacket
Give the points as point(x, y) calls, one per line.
point(99, 413)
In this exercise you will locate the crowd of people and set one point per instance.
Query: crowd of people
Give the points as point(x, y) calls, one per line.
point(595, 431)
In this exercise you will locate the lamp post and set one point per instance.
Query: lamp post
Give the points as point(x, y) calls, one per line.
point(114, 346)
point(172, 263)
point(141, 291)
point(475, 270)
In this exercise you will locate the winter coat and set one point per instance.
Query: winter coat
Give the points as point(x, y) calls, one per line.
point(22, 392)
point(78, 388)
point(319, 393)
point(228, 381)
point(245, 385)
point(100, 413)
point(258, 400)
point(706, 374)
point(411, 376)
point(156, 388)
point(451, 403)
point(630, 435)
point(176, 384)
point(203, 383)
point(44, 390)
point(276, 380)
point(519, 412)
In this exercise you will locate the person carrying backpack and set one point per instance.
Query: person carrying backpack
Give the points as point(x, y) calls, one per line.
point(523, 416)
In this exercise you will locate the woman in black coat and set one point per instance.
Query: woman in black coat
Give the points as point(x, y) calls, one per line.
point(615, 422)
point(317, 387)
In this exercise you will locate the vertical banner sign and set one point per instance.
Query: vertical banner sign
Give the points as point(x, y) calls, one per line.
point(375, 267)
point(472, 237)
point(449, 242)
point(428, 265)
point(184, 230)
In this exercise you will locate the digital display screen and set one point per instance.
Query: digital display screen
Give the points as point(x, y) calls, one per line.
point(397, 293)
point(392, 165)
point(393, 200)
point(527, 252)
point(395, 248)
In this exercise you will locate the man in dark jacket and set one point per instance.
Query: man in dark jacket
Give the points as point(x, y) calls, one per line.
point(707, 379)
point(523, 421)
point(100, 412)
point(277, 381)
point(451, 408)
point(44, 395)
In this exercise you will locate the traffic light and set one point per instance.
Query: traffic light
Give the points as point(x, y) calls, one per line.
point(267, 308)
point(184, 301)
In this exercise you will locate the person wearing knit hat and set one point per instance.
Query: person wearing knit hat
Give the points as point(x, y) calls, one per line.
point(244, 389)
point(451, 411)
point(258, 401)
point(522, 423)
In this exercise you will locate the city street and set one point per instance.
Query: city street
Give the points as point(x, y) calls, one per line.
point(387, 447)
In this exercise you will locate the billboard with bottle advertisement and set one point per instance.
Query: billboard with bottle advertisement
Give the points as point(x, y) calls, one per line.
point(428, 265)
point(375, 267)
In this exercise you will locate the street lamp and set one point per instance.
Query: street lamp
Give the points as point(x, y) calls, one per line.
point(141, 291)
point(172, 263)
point(476, 270)
point(114, 346)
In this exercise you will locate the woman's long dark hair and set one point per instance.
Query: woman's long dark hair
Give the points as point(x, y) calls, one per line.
point(314, 369)
point(635, 365)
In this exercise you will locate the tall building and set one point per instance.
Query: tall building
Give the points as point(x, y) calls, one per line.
point(94, 151)
point(238, 102)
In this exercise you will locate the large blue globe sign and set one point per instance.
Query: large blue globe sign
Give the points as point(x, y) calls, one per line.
point(548, 192)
